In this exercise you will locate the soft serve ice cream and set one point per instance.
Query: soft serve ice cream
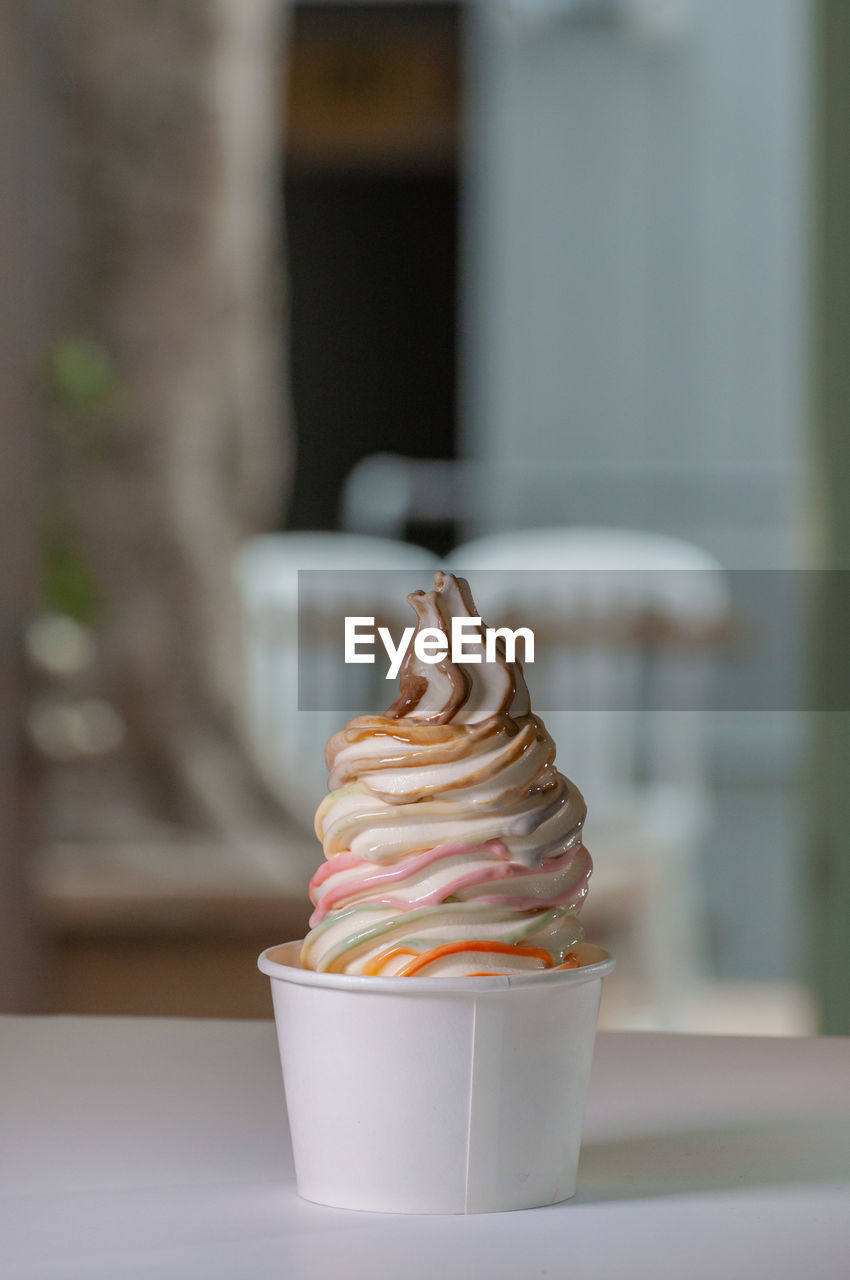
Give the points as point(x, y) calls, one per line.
point(453, 845)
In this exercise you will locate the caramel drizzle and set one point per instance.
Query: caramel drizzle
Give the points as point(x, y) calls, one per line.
point(518, 745)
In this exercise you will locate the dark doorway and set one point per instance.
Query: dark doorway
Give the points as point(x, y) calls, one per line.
point(371, 196)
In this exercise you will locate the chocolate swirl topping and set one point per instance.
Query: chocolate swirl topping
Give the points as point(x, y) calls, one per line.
point(449, 691)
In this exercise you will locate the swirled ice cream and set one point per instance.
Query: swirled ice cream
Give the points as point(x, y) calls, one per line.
point(453, 845)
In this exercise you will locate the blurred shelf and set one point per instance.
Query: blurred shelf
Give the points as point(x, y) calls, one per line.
point(724, 1008)
point(163, 887)
point(175, 930)
point(167, 929)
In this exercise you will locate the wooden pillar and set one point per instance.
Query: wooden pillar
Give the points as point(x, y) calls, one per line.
point(16, 530)
point(171, 128)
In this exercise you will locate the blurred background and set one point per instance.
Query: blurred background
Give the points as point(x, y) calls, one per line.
point(525, 284)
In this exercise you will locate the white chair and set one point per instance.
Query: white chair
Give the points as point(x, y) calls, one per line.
point(629, 719)
point(383, 491)
point(288, 743)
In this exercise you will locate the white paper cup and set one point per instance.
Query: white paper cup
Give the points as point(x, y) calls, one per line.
point(435, 1095)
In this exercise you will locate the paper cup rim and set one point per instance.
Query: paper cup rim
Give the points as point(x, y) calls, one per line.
point(599, 963)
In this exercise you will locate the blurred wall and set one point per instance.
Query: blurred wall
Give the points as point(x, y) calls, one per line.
point(636, 240)
point(636, 322)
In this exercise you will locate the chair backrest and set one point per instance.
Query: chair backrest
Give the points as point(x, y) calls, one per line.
point(288, 744)
point(383, 492)
point(628, 714)
point(609, 706)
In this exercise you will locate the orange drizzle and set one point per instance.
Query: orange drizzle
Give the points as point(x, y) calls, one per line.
point(376, 964)
point(452, 948)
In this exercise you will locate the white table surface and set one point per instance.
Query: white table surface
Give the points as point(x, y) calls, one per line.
point(153, 1147)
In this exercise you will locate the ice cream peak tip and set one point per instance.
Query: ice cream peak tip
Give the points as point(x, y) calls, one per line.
point(465, 692)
